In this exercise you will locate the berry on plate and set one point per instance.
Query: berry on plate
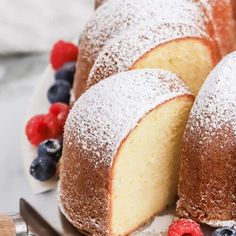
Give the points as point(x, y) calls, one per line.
point(63, 52)
point(59, 92)
point(66, 72)
point(51, 148)
point(184, 227)
point(60, 112)
point(225, 231)
point(54, 126)
point(47, 126)
point(39, 128)
point(43, 168)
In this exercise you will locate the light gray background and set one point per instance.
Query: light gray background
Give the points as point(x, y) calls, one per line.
point(19, 74)
point(16, 85)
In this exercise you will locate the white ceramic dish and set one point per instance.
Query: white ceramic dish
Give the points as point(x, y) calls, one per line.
point(38, 105)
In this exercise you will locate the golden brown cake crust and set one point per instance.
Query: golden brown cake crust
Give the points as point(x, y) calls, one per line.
point(207, 188)
point(99, 3)
point(93, 135)
point(76, 163)
point(234, 9)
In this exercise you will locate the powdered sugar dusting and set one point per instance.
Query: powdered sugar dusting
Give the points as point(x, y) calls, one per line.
point(158, 227)
point(221, 223)
point(123, 51)
point(106, 113)
point(113, 17)
point(216, 103)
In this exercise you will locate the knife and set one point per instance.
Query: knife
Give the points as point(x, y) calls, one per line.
point(27, 222)
point(35, 222)
point(13, 224)
point(46, 205)
point(39, 216)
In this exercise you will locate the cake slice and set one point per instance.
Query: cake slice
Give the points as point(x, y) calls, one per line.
point(179, 48)
point(207, 186)
point(116, 16)
point(121, 151)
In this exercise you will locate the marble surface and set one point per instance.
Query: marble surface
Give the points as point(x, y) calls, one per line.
point(19, 75)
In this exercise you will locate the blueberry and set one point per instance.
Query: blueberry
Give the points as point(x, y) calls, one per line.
point(66, 72)
point(59, 92)
point(225, 231)
point(43, 168)
point(50, 148)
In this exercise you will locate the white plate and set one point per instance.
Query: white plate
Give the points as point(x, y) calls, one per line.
point(38, 105)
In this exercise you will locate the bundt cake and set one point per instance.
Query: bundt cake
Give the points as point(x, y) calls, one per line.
point(122, 144)
point(207, 188)
point(116, 17)
point(222, 16)
point(179, 48)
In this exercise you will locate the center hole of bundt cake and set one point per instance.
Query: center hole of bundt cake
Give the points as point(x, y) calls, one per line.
point(145, 173)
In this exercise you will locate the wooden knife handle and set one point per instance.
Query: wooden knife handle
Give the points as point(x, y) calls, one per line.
point(7, 226)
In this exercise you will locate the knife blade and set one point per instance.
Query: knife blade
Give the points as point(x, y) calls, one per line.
point(37, 225)
point(46, 205)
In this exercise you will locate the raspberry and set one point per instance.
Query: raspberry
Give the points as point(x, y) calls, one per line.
point(60, 112)
point(184, 227)
point(50, 126)
point(42, 127)
point(37, 129)
point(63, 52)
point(54, 126)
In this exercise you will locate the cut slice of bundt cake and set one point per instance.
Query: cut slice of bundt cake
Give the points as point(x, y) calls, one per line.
point(122, 144)
point(207, 188)
point(116, 16)
point(179, 48)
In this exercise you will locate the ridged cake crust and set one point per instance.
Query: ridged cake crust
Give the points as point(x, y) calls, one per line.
point(99, 3)
point(234, 11)
point(222, 15)
point(121, 53)
point(96, 127)
point(207, 188)
point(116, 16)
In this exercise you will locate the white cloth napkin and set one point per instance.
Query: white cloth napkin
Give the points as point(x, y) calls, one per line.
point(34, 25)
